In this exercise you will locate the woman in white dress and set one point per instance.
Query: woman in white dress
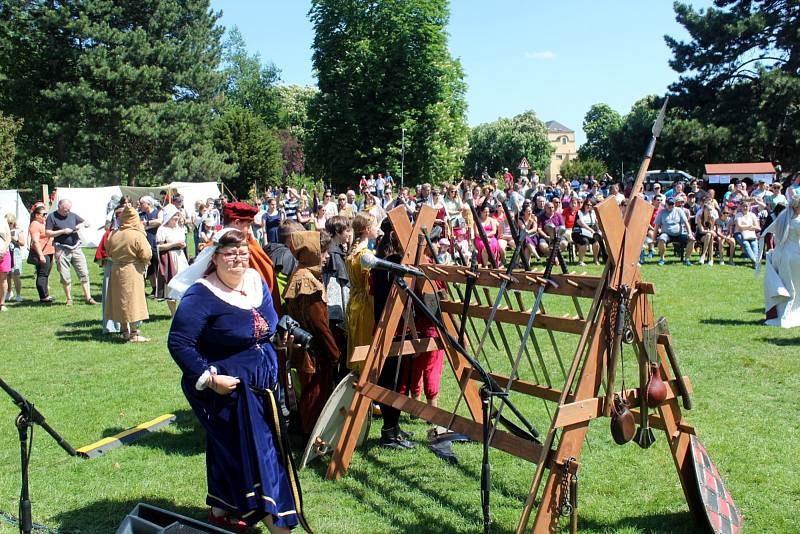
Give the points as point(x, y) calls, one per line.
point(782, 275)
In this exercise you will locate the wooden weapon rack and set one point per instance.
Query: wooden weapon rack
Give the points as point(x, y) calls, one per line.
point(572, 405)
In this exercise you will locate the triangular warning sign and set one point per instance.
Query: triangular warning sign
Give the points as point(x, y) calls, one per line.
point(524, 164)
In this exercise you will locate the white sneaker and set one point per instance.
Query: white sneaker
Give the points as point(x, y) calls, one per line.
point(8, 296)
point(711, 262)
point(702, 260)
point(19, 298)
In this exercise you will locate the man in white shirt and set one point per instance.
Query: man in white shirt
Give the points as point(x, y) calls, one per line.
point(672, 224)
point(329, 205)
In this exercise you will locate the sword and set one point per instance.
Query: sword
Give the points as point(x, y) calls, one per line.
point(502, 290)
point(548, 271)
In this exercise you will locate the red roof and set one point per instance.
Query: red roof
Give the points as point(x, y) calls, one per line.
point(740, 168)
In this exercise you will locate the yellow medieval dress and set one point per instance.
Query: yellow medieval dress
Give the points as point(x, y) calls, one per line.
point(360, 307)
point(130, 254)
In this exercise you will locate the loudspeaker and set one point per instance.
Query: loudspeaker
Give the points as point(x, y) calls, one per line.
point(146, 519)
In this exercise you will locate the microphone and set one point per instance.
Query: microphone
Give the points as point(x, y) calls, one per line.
point(370, 261)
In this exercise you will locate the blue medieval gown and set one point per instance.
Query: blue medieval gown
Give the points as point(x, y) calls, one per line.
point(250, 472)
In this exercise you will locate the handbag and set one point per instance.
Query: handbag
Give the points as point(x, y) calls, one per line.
point(33, 257)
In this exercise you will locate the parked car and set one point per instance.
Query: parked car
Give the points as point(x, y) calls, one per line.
point(666, 178)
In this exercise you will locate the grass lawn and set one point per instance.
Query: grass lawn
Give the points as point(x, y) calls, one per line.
point(89, 386)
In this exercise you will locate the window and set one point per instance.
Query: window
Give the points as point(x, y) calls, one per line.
point(559, 156)
point(564, 140)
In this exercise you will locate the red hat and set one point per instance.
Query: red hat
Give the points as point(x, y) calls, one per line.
point(243, 211)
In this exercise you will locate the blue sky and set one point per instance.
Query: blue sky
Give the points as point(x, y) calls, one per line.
point(557, 58)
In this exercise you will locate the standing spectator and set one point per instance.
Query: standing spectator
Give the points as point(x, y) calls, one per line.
point(5, 260)
point(387, 199)
point(371, 184)
point(62, 225)
point(331, 210)
point(673, 225)
point(291, 204)
point(343, 207)
point(380, 185)
point(163, 199)
point(42, 252)
point(353, 202)
point(151, 220)
point(337, 281)
point(130, 251)
point(508, 177)
point(19, 252)
point(102, 258)
point(272, 220)
point(198, 216)
point(213, 213)
point(793, 190)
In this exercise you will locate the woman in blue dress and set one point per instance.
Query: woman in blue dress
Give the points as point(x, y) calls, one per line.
point(221, 339)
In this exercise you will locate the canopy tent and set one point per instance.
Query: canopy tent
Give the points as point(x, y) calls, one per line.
point(91, 203)
point(194, 191)
point(11, 202)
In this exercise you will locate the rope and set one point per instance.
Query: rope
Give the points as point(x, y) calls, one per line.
point(6, 517)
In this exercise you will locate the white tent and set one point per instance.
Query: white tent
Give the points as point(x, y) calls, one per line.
point(90, 204)
point(194, 191)
point(11, 202)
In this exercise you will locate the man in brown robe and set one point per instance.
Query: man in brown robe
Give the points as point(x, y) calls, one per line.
point(306, 302)
point(130, 254)
point(240, 215)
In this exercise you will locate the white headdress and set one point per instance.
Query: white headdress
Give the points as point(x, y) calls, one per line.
point(183, 280)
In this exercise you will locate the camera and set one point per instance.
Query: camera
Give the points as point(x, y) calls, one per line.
point(287, 325)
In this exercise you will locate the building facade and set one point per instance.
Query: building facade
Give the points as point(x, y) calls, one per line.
point(563, 140)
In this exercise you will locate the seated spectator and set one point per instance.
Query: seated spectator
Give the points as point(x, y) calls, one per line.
point(584, 233)
point(745, 231)
point(527, 220)
point(723, 230)
point(705, 219)
point(672, 225)
point(551, 230)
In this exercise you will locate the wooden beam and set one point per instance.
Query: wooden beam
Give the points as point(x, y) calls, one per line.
point(521, 386)
point(569, 325)
point(586, 410)
point(521, 448)
point(571, 284)
point(401, 348)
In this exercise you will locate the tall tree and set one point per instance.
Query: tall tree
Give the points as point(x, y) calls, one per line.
point(119, 89)
point(740, 75)
point(9, 127)
point(249, 84)
point(600, 125)
point(383, 67)
point(249, 145)
point(505, 142)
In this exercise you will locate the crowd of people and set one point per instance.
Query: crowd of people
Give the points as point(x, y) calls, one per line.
point(302, 256)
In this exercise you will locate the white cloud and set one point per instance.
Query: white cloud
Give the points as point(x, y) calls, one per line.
point(546, 55)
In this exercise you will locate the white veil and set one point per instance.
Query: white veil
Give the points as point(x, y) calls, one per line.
point(183, 280)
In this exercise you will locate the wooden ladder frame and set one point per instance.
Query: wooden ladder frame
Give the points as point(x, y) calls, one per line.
point(581, 398)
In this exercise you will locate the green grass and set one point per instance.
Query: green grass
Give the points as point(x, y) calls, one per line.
point(89, 386)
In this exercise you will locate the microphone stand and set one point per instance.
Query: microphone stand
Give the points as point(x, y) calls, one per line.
point(28, 416)
point(489, 391)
